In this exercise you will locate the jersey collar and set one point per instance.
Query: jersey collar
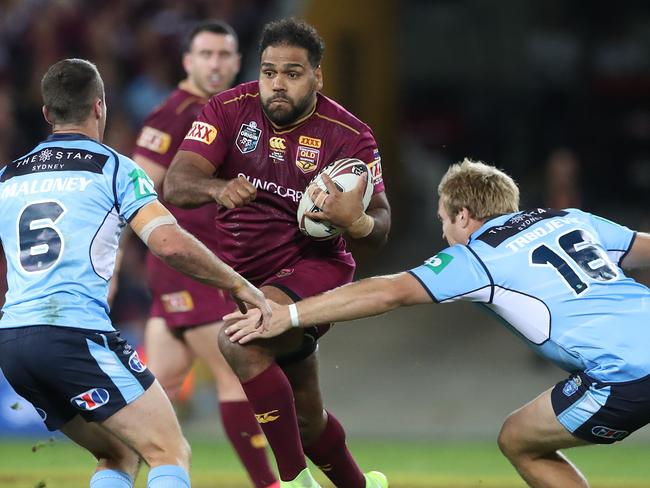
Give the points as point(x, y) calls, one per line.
point(498, 220)
point(68, 136)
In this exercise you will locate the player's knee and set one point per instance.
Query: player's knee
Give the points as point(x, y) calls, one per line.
point(229, 350)
point(167, 451)
point(127, 462)
point(507, 440)
point(120, 457)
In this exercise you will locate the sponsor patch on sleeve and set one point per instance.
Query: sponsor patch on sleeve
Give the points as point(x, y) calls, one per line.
point(438, 262)
point(202, 132)
point(153, 139)
point(375, 167)
point(142, 184)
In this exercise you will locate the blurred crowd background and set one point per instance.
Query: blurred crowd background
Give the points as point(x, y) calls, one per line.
point(557, 93)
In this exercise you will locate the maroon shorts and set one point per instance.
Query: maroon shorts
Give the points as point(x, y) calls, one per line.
point(183, 302)
point(308, 277)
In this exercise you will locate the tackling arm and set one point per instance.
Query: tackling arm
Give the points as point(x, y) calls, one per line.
point(365, 298)
point(639, 255)
point(185, 253)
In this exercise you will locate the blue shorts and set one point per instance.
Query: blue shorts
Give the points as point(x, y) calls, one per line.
point(65, 371)
point(601, 413)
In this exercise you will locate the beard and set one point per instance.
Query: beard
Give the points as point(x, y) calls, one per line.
point(286, 114)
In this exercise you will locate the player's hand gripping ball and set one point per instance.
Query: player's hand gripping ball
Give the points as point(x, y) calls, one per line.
point(345, 174)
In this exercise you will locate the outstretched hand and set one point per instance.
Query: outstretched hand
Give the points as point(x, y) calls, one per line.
point(243, 327)
point(341, 208)
point(245, 293)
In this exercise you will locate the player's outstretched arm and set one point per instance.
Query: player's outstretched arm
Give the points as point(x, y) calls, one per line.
point(190, 183)
point(365, 298)
point(179, 249)
point(639, 255)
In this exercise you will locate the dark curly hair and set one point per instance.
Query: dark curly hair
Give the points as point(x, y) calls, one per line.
point(293, 32)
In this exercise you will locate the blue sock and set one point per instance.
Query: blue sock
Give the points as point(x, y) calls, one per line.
point(168, 476)
point(110, 478)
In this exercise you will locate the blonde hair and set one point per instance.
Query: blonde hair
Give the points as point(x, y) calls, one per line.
point(483, 189)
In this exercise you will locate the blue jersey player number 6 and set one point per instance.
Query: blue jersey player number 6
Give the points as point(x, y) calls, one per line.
point(41, 244)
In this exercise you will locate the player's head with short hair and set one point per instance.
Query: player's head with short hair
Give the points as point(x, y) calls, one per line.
point(70, 89)
point(296, 33)
point(210, 58)
point(483, 189)
point(213, 26)
point(290, 72)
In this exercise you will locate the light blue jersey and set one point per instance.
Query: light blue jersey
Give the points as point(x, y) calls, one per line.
point(62, 209)
point(554, 278)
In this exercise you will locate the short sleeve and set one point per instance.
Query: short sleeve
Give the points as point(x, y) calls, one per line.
point(133, 188)
point(368, 152)
point(616, 239)
point(208, 135)
point(454, 274)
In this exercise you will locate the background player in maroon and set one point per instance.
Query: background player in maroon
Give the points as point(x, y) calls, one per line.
point(253, 150)
point(185, 316)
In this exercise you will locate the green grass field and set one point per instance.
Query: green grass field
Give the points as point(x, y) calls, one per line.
point(60, 464)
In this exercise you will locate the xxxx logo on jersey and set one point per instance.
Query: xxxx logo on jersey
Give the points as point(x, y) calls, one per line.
point(438, 262)
point(265, 418)
point(309, 142)
point(202, 132)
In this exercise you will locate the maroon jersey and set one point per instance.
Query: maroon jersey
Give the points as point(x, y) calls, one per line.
point(158, 141)
point(181, 301)
point(233, 133)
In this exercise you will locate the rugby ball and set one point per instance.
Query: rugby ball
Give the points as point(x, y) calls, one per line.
point(345, 174)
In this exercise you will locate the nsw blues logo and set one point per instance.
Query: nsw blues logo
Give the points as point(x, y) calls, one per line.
point(135, 364)
point(91, 399)
point(571, 386)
